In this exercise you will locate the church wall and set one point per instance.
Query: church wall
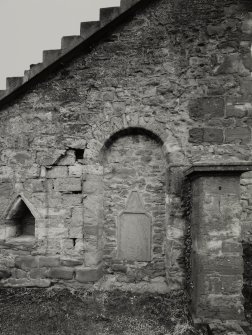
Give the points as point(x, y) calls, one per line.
point(180, 72)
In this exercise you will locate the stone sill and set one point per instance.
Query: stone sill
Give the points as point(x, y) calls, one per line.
point(220, 167)
point(24, 240)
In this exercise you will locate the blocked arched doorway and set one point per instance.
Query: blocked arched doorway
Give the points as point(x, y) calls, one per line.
point(134, 204)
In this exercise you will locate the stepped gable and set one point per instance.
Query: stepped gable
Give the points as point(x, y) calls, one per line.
point(90, 32)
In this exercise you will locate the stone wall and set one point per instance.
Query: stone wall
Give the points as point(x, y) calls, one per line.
point(217, 249)
point(176, 74)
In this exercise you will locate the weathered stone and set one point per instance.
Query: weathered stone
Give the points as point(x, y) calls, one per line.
point(57, 172)
point(134, 236)
point(77, 217)
point(68, 262)
point(57, 233)
point(34, 171)
point(237, 111)
point(92, 184)
point(23, 158)
point(227, 305)
point(175, 178)
point(246, 87)
point(72, 199)
point(196, 135)
point(49, 157)
point(207, 108)
point(232, 64)
point(227, 265)
point(48, 261)
point(4, 274)
point(67, 244)
point(43, 172)
point(75, 170)
point(65, 273)
point(247, 61)
point(80, 246)
point(6, 188)
point(238, 135)
point(68, 185)
point(216, 30)
point(19, 274)
point(86, 275)
point(79, 143)
point(12, 282)
point(231, 247)
point(75, 232)
point(38, 273)
point(26, 262)
point(68, 159)
point(212, 135)
point(247, 24)
point(222, 327)
point(119, 268)
point(226, 185)
point(34, 185)
point(92, 258)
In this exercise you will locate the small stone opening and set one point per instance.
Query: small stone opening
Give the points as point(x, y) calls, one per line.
point(79, 153)
point(23, 220)
point(74, 241)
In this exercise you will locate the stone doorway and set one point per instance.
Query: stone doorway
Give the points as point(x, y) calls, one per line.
point(134, 205)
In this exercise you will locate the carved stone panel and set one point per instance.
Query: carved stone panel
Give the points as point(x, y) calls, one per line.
point(134, 231)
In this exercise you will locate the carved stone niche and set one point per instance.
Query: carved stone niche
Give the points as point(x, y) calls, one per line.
point(134, 231)
point(20, 219)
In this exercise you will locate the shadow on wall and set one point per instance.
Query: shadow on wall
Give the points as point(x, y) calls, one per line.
point(247, 279)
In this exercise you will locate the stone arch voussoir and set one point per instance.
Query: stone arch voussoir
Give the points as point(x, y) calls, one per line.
point(131, 130)
point(122, 124)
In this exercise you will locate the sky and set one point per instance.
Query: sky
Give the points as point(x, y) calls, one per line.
point(27, 27)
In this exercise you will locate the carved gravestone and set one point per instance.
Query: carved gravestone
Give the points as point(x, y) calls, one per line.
point(134, 231)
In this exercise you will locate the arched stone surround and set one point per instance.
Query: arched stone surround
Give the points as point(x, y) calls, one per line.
point(97, 179)
point(134, 172)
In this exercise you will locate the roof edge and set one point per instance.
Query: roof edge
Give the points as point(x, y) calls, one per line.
point(90, 33)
